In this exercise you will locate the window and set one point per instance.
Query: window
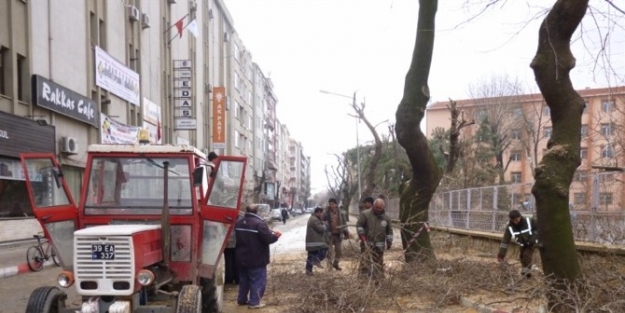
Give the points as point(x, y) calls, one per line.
point(579, 198)
point(236, 138)
point(586, 104)
point(22, 78)
point(516, 134)
point(606, 129)
point(517, 112)
point(584, 130)
point(607, 152)
point(516, 177)
point(605, 198)
point(547, 132)
point(546, 111)
point(515, 155)
point(583, 153)
point(4, 71)
point(580, 176)
point(607, 106)
point(482, 115)
point(237, 109)
point(102, 38)
point(236, 80)
point(236, 52)
point(250, 146)
point(249, 122)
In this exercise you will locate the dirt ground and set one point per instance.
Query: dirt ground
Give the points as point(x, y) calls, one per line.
point(462, 275)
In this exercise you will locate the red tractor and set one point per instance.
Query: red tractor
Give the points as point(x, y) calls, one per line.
point(148, 234)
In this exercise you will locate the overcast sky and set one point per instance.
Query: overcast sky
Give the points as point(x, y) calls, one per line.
point(344, 46)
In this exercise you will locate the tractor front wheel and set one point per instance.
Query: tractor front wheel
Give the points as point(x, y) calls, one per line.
point(189, 300)
point(213, 290)
point(46, 300)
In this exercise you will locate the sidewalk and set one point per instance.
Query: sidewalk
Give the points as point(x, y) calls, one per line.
point(13, 258)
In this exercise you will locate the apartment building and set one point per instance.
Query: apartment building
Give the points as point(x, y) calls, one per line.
point(300, 173)
point(525, 119)
point(75, 73)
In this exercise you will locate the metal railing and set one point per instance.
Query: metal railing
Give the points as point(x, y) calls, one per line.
point(596, 206)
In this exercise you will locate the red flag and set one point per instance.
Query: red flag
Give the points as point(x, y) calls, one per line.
point(179, 26)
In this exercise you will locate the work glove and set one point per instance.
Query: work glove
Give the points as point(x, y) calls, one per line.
point(363, 238)
point(500, 257)
point(388, 245)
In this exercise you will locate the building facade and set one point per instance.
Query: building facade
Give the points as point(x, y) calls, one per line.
point(75, 73)
point(526, 121)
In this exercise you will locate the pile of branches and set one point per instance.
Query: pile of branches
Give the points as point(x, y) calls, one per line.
point(435, 285)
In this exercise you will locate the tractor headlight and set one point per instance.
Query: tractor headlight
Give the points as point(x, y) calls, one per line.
point(145, 277)
point(65, 279)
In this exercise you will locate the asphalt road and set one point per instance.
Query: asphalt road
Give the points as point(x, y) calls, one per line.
point(14, 291)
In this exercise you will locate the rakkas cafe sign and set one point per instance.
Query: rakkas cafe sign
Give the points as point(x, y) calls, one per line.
point(57, 98)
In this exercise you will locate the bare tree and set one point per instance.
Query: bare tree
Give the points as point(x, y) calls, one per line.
point(495, 102)
point(457, 124)
point(370, 181)
point(554, 174)
point(426, 174)
point(337, 175)
point(533, 123)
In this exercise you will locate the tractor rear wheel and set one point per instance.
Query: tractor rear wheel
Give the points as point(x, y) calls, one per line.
point(189, 300)
point(46, 299)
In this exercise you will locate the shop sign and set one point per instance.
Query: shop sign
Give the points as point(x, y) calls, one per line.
point(54, 97)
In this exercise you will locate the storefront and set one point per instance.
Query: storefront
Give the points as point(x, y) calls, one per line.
point(18, 135)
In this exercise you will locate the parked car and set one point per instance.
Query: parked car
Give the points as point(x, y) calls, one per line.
point(297, 212)
point(276, 214)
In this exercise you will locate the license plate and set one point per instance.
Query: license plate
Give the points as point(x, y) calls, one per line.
point(102, 252)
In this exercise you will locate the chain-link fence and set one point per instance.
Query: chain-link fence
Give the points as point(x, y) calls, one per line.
point(595, 200)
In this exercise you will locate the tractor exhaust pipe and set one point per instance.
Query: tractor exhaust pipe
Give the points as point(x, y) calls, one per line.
point(165, 225)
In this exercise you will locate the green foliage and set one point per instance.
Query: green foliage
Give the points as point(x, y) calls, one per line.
point(393, 167)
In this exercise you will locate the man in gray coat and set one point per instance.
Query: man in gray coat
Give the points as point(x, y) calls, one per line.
point(315, 240)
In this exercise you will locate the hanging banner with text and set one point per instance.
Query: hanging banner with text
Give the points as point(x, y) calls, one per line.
point(183, 96)
point(117, 133)
point(219, 118)
point(115, 77)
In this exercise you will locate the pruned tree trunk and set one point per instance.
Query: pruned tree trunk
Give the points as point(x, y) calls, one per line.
point(554, 174)
point(457, 123)
point(426, 174)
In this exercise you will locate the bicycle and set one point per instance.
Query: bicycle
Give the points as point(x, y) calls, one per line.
point(37, 255)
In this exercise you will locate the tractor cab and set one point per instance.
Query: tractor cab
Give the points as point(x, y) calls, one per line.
point(152, 222)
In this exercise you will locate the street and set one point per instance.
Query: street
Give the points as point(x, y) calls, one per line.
point(15, 290)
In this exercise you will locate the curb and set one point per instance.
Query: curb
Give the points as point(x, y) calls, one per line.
point(23, 268)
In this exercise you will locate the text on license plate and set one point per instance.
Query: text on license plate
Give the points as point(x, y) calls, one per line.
point(102, 252)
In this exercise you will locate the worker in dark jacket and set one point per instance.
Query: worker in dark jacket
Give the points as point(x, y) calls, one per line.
point(335, 221)
point(376, 232)
point(525, 232)
point(253, 238)
point(316, 244)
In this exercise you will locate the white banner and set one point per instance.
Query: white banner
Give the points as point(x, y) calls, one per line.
point(151, 112)
point(115, 77)
point(117, 133)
